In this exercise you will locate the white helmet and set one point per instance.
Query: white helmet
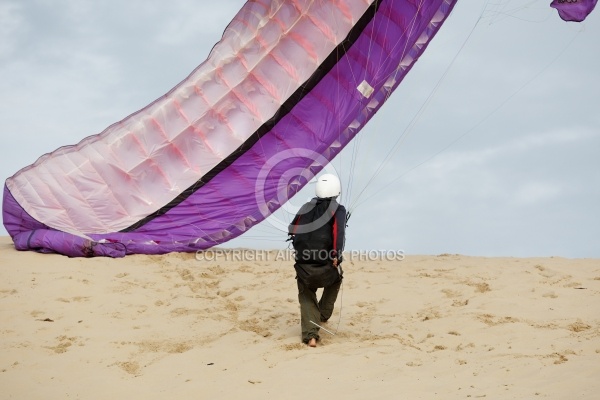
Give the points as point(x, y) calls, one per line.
point(328, 185)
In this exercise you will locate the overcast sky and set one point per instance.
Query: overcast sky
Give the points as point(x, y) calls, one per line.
point(498, 151)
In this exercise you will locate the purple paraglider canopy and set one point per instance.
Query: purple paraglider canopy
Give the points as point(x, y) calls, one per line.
point(574, 10)
point(288, 86)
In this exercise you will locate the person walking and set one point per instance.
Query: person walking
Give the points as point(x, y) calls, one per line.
point(318, 235)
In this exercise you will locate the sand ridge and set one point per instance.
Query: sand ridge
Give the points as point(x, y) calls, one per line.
point(426, 327)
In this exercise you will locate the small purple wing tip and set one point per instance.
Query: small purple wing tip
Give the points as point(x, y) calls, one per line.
point(574, 10)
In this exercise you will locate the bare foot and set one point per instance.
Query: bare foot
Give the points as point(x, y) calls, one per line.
point(312, 342)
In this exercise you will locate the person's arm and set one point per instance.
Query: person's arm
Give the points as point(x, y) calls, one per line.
point(339, 233)
point(292, 226)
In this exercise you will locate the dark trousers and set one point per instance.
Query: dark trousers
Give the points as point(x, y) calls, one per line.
point(313, 310)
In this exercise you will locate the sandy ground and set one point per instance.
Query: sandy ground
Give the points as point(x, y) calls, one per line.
point(187, 327)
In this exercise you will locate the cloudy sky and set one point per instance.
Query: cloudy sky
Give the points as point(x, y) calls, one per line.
point(491, 144)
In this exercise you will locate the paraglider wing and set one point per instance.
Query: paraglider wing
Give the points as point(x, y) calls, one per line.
point(574, 10)
point(287, 87)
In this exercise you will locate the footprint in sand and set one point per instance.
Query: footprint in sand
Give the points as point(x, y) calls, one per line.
point(552, 277)
point(7, 292)
point(148, 350)
point(460, 303)
point(543, 271)
point(185, 274)
point(64, 343)
point(453, 294)
point(131, 367)
point(560, 358)
point(416, 363)
point(226, 293)
point(254, 325)
point(77, 299)
point(293, 346)
point(480, 287)
point(579, 326)
point(492, 320)
point(429, 314)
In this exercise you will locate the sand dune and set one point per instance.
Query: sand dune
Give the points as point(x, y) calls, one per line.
point(173, 326)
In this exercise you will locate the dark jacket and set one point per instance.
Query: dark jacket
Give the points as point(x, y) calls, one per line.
point(318, 234)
